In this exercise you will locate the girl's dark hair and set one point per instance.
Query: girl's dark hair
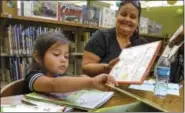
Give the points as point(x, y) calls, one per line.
point(42, 44)
point(137, 4)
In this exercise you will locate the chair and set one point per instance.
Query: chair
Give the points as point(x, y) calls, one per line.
point(14, 88)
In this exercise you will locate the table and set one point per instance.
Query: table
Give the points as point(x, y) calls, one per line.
point(170, 103)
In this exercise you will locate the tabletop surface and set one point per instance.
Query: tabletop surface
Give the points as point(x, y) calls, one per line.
point(170, 103)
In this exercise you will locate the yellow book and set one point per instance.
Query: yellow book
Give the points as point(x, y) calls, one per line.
point(9, 7)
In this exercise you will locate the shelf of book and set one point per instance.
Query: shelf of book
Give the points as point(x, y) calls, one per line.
point(49, 21)
point(8, 55)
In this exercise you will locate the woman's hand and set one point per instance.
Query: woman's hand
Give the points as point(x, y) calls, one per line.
point(111, 64)
point(102, 79)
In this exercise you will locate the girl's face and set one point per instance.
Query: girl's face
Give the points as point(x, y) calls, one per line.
point(56, 59)
point(127, 19)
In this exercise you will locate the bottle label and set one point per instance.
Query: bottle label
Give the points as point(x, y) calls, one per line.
point(163, 71)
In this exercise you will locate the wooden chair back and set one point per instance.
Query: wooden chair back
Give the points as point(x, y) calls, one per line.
point(14, 88)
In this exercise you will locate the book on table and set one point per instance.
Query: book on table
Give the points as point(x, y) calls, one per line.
point(34, 106)
point(135, 63)
point(82, 99)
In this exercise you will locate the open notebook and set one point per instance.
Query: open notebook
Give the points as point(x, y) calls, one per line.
point(83, 99)
point(135, 63)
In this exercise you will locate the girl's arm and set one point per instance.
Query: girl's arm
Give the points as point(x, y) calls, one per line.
point(67, 84)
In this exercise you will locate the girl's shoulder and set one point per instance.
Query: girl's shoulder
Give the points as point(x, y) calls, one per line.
point(33, 72)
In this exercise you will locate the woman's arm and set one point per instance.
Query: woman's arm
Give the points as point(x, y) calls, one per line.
point(91, 65)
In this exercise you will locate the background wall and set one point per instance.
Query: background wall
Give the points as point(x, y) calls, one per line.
point(167, 16)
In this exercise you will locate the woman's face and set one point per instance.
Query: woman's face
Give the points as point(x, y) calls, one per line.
point(127, 19)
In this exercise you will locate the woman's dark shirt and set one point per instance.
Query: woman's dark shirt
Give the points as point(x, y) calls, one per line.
point(105, 45)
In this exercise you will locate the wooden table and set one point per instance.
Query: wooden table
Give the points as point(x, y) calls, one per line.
point(170, 103)
point(117, 99)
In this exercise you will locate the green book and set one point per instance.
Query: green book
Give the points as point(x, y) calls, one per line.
point(83, 99)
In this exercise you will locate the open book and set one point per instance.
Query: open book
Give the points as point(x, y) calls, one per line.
point(135, 63)
point(83, 99)
point(171, 52)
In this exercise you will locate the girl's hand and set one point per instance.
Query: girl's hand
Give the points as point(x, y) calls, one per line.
point(111, 64)
point(84, 76)
point(102, 79)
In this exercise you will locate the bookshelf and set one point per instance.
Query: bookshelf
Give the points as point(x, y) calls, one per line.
point(49, 21)
point(77, 28)
point(157, 36)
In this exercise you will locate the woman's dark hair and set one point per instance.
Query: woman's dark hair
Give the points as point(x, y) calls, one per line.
point(137, 4)
point(42, 44)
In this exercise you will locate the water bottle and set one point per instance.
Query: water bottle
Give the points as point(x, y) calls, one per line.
point(162, 73)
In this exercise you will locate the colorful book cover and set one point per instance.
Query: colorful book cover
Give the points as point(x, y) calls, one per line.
point(91, 15)
point(45, 9)
point(69, 12)
point(108, 18)
point(9, 7)
point(79, 99)
point(135, 63)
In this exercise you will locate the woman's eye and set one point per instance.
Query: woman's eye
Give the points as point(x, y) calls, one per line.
point(133, 16)
point(124, 14)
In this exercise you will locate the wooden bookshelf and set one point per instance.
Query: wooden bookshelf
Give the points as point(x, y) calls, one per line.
point(8, 55)
point(153, 35)
point(49, 21)
point(77, 54)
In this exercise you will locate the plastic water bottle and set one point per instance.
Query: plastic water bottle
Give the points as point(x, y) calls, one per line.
point(162, 73)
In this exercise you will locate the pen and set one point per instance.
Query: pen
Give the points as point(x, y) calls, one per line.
point(64, 109)
point(27, 102)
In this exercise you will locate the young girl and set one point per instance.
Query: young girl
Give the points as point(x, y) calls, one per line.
point(49, 66)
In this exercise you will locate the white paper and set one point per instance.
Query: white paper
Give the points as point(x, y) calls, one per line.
point(40, 107)
point(149, 85)
point(28, 108)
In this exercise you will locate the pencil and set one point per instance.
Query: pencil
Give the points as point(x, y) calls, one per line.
point(27, 102)
point(64, 109)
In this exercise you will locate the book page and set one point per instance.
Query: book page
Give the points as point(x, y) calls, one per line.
point(134, 62)
point(86, 98)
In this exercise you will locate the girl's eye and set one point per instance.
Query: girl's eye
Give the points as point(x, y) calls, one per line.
point(67, 57)
point(56, 54)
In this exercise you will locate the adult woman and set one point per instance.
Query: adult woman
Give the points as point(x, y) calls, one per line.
point(104, 47)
